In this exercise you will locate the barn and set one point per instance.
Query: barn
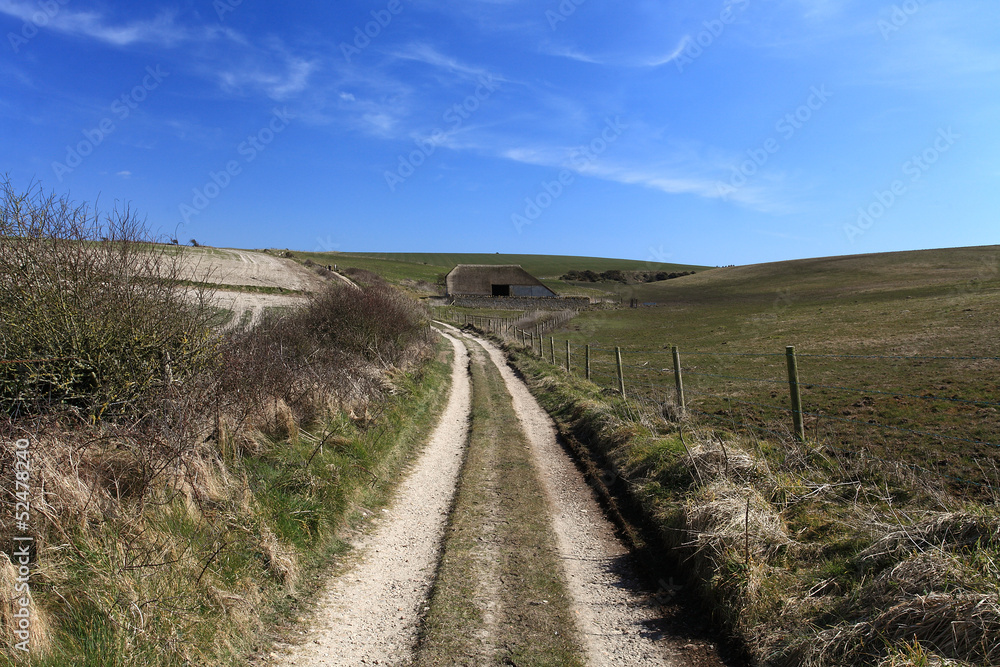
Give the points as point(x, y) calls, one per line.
point(500, 280)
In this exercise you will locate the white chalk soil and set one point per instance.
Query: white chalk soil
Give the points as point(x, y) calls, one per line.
point(224, 266)
point(371, 614)
point(617, 620)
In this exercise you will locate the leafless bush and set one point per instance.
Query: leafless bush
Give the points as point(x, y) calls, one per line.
point(377, 323)
point(363, 276)
point(89, 309)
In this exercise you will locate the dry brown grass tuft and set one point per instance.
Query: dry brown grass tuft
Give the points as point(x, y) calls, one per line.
point(726, 520)
point(714, 459)
point(915, 655)
point(962, 626)
point(939, 531)
point(280, 560)
point(920, 574)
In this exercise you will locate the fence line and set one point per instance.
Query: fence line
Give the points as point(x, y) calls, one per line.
point(611, 372)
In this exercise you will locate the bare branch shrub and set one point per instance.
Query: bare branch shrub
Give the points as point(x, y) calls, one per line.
point(89, 309)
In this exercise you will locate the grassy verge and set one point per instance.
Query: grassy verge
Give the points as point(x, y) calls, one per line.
point(202, 574)
point(806, 558)
point(499, 597)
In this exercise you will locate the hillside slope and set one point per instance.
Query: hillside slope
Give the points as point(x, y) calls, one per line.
point(881, 275)
point(543, 266)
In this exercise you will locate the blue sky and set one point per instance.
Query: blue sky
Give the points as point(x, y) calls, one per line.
point(710, 132)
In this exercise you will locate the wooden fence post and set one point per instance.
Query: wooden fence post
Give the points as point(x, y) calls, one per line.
point(552, 350)
point(679, 381)
point(568, 367)
point(621, 375)
point(588, 362)
point(793, 386)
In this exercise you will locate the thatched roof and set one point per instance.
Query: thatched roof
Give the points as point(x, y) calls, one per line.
point(479, 279)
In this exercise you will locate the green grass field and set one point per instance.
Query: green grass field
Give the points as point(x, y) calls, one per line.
point(732, 326)
point(410, 268)
point(542, 266)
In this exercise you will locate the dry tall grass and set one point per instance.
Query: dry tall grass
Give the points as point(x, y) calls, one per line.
point(145, 424)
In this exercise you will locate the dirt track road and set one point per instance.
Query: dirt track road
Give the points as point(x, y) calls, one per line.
point(241, 268)
point(223, 266)
point(618, 620)
point(370, 615)
point(373, 612)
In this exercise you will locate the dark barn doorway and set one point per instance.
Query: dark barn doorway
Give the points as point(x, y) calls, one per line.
point(501, 290)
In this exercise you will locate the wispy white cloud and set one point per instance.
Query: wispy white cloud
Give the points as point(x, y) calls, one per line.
point(672, 56)
point(163, 30)
point(378, 116)
point(688, 179)
point(620, 60)
point(573, 54)
point(213, 46)
point(427, 54)
point(292, 78)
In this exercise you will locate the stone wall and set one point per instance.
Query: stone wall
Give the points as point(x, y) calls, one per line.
point(521, 303)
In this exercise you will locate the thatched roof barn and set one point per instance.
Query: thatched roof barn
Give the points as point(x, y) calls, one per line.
point(489, 280)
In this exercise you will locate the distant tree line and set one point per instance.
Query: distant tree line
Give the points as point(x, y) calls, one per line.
point(626, 277)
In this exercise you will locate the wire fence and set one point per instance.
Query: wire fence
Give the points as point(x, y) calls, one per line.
point(936, 415)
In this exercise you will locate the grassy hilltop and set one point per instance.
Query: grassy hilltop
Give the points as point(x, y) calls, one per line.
point(430, 268)
point(542, 266)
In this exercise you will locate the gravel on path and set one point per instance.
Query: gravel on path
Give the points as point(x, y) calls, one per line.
point(372, 613)
point(619, 620)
